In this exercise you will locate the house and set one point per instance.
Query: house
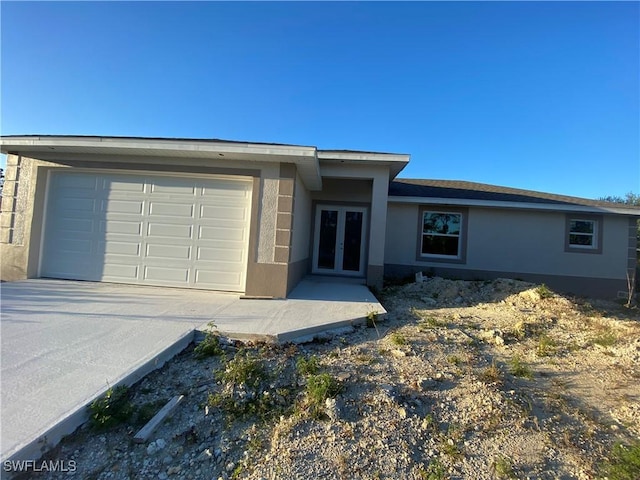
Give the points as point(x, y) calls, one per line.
point(256, 218)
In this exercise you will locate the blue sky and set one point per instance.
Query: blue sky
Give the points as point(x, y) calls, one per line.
point(542, 96)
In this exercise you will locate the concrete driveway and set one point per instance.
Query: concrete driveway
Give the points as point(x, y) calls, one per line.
point(65, 342)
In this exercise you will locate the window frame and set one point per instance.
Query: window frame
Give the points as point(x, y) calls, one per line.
point(461, 257)
point(596, 247)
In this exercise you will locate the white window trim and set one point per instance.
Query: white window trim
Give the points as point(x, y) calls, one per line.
point(596, 236)
point(459, 236)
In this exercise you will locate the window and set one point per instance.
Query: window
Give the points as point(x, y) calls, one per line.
point(583, 234)
point(441, 234)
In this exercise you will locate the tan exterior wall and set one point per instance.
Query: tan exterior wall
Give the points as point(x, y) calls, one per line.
point(21, 218)
point(24, 200)
point(378, 179)
point(513, 242)
point(301, 233)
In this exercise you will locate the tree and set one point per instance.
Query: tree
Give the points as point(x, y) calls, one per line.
point(629, 199)
point(634, 200)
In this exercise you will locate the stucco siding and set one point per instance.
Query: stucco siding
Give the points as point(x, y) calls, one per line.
point(301, 232)
point(344, 190)
point(22, 215)
point(534, 242)
point(501, 240)
point(357, 185)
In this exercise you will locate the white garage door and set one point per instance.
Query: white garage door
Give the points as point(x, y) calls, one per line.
point(151, 230)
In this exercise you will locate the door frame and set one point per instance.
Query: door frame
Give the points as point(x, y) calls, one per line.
point(342, 209)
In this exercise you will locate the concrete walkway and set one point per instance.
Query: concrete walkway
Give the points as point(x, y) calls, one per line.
point(64, 343)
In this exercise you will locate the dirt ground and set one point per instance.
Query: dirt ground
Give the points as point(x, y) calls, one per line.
point(462, 380)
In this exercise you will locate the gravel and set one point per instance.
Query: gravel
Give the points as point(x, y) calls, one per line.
point(427, 393)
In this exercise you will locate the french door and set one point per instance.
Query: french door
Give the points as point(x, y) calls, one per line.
point(339, 243)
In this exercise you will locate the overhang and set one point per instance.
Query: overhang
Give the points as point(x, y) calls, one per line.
point(63, 148)
point(394, 161)
point(517, 205)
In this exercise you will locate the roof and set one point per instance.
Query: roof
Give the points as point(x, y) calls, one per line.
point(94, 148)
point(177, 139)
point(457, 192)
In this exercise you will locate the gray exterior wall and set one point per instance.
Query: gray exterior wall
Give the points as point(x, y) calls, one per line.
point(516, 243)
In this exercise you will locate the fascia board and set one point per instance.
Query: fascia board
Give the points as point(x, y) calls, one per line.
point(513, 205)
point(153, 145)
point(305, 158)
point(395, 161)
point(363, 156)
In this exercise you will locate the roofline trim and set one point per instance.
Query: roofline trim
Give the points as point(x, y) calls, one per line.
point(512, 205)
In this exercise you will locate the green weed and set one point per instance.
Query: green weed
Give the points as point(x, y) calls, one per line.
point(398, 339)
point(112, 409)
point(502, 466)
point(307, 366)
point(430, 322)
point(605, 339)
point(624, 463)
point(491, 374)
point(434, 471)
point(544, 292)
point(518, 368)
point(319, 389)
point(210, 346)
point(546, 346)
point(243, 369)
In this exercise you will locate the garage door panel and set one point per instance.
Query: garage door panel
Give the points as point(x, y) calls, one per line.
point(169, 230)
point(216, 279)
point(115, 207)
point(168, 251)
point(76, 245)
point(133, 184)
point(72, 266)
point(120, 271)
point(175, 275)
point(220, 212)
point(76, 181)
point(75, 204)
point(176, 187)
point(212, 254)
point(75, 225)
point(122, 227)
point(121, 248)
point(213, 233)
point(179, 210)
point(184, 232)
point(227, 189)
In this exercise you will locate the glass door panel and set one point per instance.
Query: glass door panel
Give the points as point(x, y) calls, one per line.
point(339, 240)
point(327, 240)
point(352, 243)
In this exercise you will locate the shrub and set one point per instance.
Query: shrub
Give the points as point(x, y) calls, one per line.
point(491, 374)
point(519, 369)
point(624, 463)
point(544, 291)
point(319, 389)
point(210, 346)
point(546, 346)
point(398, 338)
point(111, 409)
point(307, 366)
point(243, 369)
